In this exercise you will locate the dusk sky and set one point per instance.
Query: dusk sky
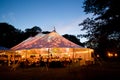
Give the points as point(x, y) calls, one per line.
point(64, 15)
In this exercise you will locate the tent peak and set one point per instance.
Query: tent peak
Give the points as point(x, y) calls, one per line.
point(54, 30)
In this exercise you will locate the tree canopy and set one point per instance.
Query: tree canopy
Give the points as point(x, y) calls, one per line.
point(33, 31)
point(103, 29)
point(73, 38)
point(11, 36)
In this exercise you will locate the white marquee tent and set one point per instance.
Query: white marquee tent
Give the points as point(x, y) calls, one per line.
point(52, 44)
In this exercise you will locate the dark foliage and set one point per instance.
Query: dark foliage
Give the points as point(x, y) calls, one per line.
point(9, 36)
point(46, 32)
point(32, 31)
point(73, 39)
point(103, 28)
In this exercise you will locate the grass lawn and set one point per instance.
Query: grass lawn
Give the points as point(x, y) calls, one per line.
point(106, 71)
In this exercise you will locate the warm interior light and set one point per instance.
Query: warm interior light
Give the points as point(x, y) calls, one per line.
point(98, 55)
point(116, 54)
point(110, 54)
point(23, 56)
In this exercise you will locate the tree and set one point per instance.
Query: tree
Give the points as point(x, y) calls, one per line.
point(9, 35)
point(32, 31)
point(73, 39)
point(46, 32)
point(103, 29)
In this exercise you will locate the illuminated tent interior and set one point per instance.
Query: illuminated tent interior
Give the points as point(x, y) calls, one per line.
point(5, 53)
point(52, 45)
point(3, 50)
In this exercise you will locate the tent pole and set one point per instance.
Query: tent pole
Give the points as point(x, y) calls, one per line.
point(13, 58)
point(26, 54)
point(48, 58)
point(8, 59)
point(73, 54)
point(48, 52)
